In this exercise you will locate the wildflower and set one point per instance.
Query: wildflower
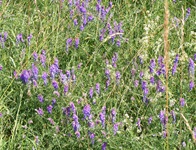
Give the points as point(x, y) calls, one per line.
point(40, 111)
point(102, 118)
point(57, 129)
point(164, 134)
point(184, 144)
point(43, 59)
point(104, 146)
point(115, 128)
point(51, 121)
point(55, 84)
point(53, 71)
point(91, 124)
point(191, 67)
point(68, 43)
point(77, 42)
point(56, 93)
point(3, 39)
point(35, 71)
point(91, 93)
point(86, 111)
point(75, 22)
point(1, 115)
point(182, 102)
point(194, 132)
point(92, 137)
point(188, 13)
point(40, 98)
point(97, 87)
point(36, 139)
point(107, 73)
point(77, 133)
point(67, 111)
point(19, 39)
point(191, 85)
point(49, 109)
point(136, 83)
point(152, 80)
point(29, 38)
point(118, 43)
point(75, 123)
point(1, 67)
point(35, 56)
point(139, 123)
point(113, 113)
point(160, 87)
point(150, 120)
point(68, 74)
point(73, 107)
point(173, 116)
point(104, 110)
point(195, 56)
point(152, 65)
point(25, 76)
point(79, 65)
point(107, 83)
point(90, 18)
point(163, 118)
point(44, 77)
point(118, 76)
point(53, 102)
point(66, 89)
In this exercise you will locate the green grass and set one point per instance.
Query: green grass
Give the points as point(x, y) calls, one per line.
point(142, 22)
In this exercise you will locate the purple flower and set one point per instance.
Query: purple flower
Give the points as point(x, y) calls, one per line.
point(1, 115)
point(97, 87)
point(75, 22)
point(35, 71)
point(103, 147)
point(90, 18)
point(139, 123)
point(144, 85)
point(87, 111)
point(75, 123)
point(68, 73)
point(113, 113)
point(182, 102)
point(29, 39)
point(49, 109)
point(191, 67)
point(152, 80)
point(102, 118)
point(55, 84)
point(19, 39)
point(35, 56)
point(67, 111)
point(150, 120)
point(191, 85)
point(44, 77)
point(91, 93)
point(188, 13)
point(73, 107)
point(77, 133)
point(107, 73)
point(194, 132)
point(115, 128)
point(118, 76)
point(141, 74)
point(1, 67)
point(40, 98)
point(163, 118)
point(92, 137)
point(152, 65)
point(136, 83)
point(195, 56)
point(43, 59)
point(25, 76)
point(68, 43)
point(53, 71)
point(51, 121)
point(164, 134)
point(173, 116)
point(76, 42)
point(118, 43)
point(66, 89)
point(40, 111)
point(53, 102)
point(107, 83)
point(160, 87)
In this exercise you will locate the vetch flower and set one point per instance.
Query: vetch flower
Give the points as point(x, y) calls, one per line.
point(35, 56)
point(150, 120)
point(86, 111)
point(91, 93)
point(49, 109)
point(102, 118)
point(68, 44)
point(25, 76)
point(19, 38)
point(136, 83)
point(44, 77)
point(40, 98)
point(182, 102)
point(115, 128)
point(77, 133)
point(152, 65)
point(191, 85)
point(55, 84)
point(163, 118)
point(97, 87)
point(51, 121)
point(92, 137)
point(53, 102)
point(191, 67)
point(34, 71)
point(152, 80)
point(42, 59)
point(66, 89)
point(40, 111)
point(29, 39)
point(77, 42)
point(173, 116)
point(188, 13)
point(73, 107)
point(139, 123)
point(1, 67)
point(113, 113)
point(103, 147)
point(75, 22)
point(75, 123)
point(118, 76)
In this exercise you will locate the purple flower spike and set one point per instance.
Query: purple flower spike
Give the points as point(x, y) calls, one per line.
point(139, 124)
point(182, 102)
point(68, 43)
point(91, 93)
point(152, 80)
point(195, 56)
point(188, 13)
point(43, 59)
point(173, 116)
point(115, 128)
point(150, 120)
point(35, 56)
point(103, 147)
point(87, 111)
point(1, 67)
point(51, 121)
point(25, 76)
point(163, 118)
point(77, 41)
point(152, 65)
point(40, 98)
point(191, 67)
point(77, 133)
point(44, 77)
point(49, 109)
point(97, 87)
point(194, 132)
point(29, 39)
point(136, 83)
point(118, 76)
point(66, 89)
point(40, 111)
point(92, 137)
point(19, 38)
point(102, 118)
point(35, 71)
point(75, 22)
point(53, 102)
point(55, 84)
point(191, 85)
point(73, 107)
